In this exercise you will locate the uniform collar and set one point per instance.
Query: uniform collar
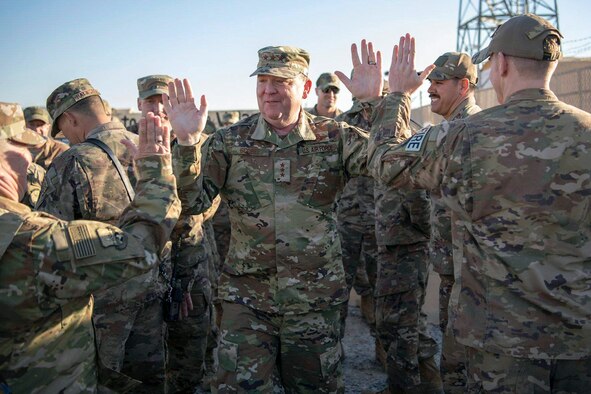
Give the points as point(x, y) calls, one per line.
point(104, 127)
point(301, 132)
point(462, 108)
point(532, 94)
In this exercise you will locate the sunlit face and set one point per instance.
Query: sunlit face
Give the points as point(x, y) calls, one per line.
point(153, 104)
point(327, 98)
point(66, 123)
point(445, 96)
point(280, 99)
point(39, 126)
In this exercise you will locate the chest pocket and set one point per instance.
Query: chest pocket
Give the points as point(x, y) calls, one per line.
point(249, 178)
point(324, 174)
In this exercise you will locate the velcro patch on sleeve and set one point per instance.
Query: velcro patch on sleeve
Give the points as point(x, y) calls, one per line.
point(81, 241)
point(415, 142)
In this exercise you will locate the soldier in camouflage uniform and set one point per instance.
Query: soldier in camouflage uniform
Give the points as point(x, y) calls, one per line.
point(452, 87)
point(280, 171)
point(43, 148)
point(191, 260)
point(27, 139)
point(83, 183)
point(356, 223)
point(50, 267)
point(516, 179)
point(327, 90)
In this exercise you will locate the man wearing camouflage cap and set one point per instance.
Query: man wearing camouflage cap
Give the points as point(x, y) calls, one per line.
point(453, 82)
point(38, 120)
point(328, 87)
point(50, 267)
point(515, 178)
point(280, 171)
point(15, 131)
point(84, 183)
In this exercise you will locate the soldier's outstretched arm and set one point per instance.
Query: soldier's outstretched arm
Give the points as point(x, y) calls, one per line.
point(83, 256)
point(186, 119)
point(394, 156)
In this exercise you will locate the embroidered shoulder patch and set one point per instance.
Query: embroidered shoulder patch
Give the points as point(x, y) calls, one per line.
point(81, 241)
point(415, 142)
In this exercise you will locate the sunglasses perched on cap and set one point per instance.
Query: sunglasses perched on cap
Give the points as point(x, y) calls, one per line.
point(333, 89)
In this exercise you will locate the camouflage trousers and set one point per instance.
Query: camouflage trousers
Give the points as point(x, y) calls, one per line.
point(119, 312)
point(359, 261)
point(187, 341)
point(145, 350)
point(304, 349)
point(400, 325)
point(453, 354)
point(489, 372)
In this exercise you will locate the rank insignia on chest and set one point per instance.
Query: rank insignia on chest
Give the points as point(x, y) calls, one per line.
point(282, 170)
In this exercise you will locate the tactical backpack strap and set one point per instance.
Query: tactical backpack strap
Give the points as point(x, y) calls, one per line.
point(100, 144)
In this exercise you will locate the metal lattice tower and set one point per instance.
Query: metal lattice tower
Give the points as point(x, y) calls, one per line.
point(478, 19)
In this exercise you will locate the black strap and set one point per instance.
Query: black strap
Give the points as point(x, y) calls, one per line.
point(100, 144)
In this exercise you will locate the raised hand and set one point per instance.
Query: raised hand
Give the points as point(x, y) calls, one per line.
point(154, 138)
point(366, 81)
point(186, 119)
point(402, 76)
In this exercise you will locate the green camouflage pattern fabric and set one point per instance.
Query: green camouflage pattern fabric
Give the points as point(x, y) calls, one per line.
point(516, 178)
point(496, 373)
point(36, 113)
point(35, 176)
point(46, 334)
point(452, 364)
point(193, 260)
point(83, 183)
point(282, 61)
point(314, 111)
point(44, 150)
point(440, 243)
point(356, 220)
point(284, 256)
point(250, 345)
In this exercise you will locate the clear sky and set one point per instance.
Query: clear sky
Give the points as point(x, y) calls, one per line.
point(214, 43)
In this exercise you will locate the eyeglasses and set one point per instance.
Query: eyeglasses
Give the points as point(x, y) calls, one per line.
point(331, 89)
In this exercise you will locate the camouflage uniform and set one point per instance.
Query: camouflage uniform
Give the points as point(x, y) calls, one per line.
point(49, 269)
point(515, 178)
point(283, 279)
point(356, 221)
point(44, 150)
point(83, 183)
point(35, 177)
point(452, 355)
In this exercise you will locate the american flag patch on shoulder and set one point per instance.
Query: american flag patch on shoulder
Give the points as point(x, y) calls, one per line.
point(81, 241)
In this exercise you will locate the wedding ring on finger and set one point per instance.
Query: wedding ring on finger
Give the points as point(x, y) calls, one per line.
point(159, 141)
point(371, 62)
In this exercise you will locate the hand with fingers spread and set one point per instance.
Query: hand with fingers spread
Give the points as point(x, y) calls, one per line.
point(186, 119)
point(402, 76)
point(366, 81)
point(154, 138)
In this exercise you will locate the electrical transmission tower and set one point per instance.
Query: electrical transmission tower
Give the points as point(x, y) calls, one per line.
point(478, 20)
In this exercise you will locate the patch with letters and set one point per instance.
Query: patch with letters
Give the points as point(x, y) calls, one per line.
point(110, 237)
point(309, 149)
point(81, 241)
point(415, 142)
point(282, 170)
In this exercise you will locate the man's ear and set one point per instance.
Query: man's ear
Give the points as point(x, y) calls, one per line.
point(139, 104)
point(464, 86)
point(502, 64)
point(307, 87)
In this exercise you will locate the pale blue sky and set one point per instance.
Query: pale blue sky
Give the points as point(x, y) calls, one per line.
point(214, 44)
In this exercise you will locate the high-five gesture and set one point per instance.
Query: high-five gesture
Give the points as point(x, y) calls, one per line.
point(402, 76)
point(366, 81)
point(154, 138)
point(186, 119)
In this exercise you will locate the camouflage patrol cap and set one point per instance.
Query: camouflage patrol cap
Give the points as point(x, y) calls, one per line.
point(283, 61)
point(231, 117)
point(152, 85)
point(523, 36)
point(37, 113)
point(328, 79)
point(12, 126)
point(452, 65)
point(65, 96)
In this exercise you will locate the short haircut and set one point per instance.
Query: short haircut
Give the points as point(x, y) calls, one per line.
point(89, 106)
